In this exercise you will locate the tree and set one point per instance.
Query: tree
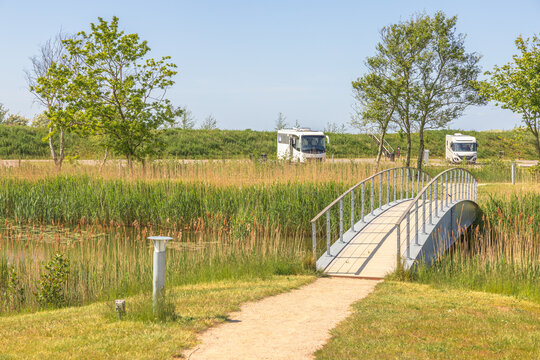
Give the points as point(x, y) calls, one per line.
point(187, 121)
point(376, 100)
point(516, 85)
point(209, 123)
point(3, 113)
point(111, 88)
point(40, 120)
point(281, 121)
point(50, 53)
point(16, 120)
point(335, 128)
point(422, 66)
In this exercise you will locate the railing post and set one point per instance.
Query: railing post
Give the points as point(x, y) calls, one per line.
point(341, 220)
point(407, 185)
point(328, 232)
point(412, 183)
point(416, 230)
point(363, 200)
point(424, 212)
point(352, 210)
point(388, 187)
point(372, 190)
point(430, 198)
point(436, 193)
point(398, 244)
point(314, 239)
point(401, 185)
point(423, 178)
point(380, 191)
point(442, 198)
point(408, 236)
point(395, 185)
point(418, 182)
point(446, 195)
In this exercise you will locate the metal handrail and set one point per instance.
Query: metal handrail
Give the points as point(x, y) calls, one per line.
point(462, 186)
point(408, 171)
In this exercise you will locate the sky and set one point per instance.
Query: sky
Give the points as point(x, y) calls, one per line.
point(245, 61)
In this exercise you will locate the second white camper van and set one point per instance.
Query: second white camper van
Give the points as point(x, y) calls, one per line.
point(301, 145)
point(461, 148)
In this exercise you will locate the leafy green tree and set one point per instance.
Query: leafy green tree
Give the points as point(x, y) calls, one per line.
point(516, 85)
point(3, 113)
point(209, 123)
point(40, 120)
point(281, 122)
point(376, 100)
point(50, 54)
point(16, 120)
point(422, 65)
point(112, 88)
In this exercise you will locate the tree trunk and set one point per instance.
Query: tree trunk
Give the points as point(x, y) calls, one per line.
point(104, 159)
point(61, 151)
point(409, 145)
point(537, 143)
point(420, 149)
point(379, 153)
point(51, 146)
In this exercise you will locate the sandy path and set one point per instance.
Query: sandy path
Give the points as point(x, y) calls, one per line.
point(286, 326)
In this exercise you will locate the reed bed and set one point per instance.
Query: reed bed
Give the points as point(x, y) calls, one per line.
point(214, 172)
point(112, 261)
point(501, 253)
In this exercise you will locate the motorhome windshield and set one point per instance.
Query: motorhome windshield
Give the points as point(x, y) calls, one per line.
point(464, 146)
point(313, 144)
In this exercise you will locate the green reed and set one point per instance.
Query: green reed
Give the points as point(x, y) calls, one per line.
point(500, 254)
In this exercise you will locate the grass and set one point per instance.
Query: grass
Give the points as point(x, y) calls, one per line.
point(107, 262)
point(501, 254)
point(91, 332)
point(26, 142)
point(415, 321)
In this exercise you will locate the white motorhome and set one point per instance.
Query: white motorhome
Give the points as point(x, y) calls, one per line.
point(461, 148)
point(301, 145)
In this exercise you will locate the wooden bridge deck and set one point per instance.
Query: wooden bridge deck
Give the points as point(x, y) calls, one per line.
point(372, 252)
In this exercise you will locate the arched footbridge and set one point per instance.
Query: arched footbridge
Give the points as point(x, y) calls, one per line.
point(398, 215)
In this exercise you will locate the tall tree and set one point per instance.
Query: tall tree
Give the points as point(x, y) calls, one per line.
point(209, 123)
point(3, 113)
point(113, 89)
point(423, 62)
point(187, 120)
point(376, 100)
point(52, 52)
point(516, 85)
point(281, 121)
point(16, 120)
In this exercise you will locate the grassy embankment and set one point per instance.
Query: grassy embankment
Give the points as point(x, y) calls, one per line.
point(26, 143)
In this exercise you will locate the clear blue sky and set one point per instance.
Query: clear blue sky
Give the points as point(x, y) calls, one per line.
point(245, 61)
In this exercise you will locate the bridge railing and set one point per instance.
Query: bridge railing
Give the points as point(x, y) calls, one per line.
point(439, 194)
point(376, 192)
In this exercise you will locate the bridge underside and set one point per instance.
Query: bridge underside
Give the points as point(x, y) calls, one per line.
point(371, 250)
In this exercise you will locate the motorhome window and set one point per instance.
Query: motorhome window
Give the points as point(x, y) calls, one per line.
point(283, 139)
point(296, 143)
point(464, 146)
point(313, 144)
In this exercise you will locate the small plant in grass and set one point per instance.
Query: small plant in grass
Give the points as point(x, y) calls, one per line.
point(12, 294)
point(141, 308)
point(53, 281)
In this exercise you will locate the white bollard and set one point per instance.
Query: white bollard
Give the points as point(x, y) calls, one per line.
point(513, 172)
point(160, 245)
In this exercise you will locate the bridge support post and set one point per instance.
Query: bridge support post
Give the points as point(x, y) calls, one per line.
point(435, 193)
point(352, 210)
point(363, 202)
point(416, 230)
point(430, 198)
point(398, 245)
point(372, 190)
point(407, 186)
point(424, 212)
point(328, 233)
point(341, 220)
point(412, 183)
point(446, 192)
point(314, 240)
point(408, 236)
point(401, 185)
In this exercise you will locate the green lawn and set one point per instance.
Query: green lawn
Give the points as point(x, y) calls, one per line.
point(91, 332)
point(413, 321)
